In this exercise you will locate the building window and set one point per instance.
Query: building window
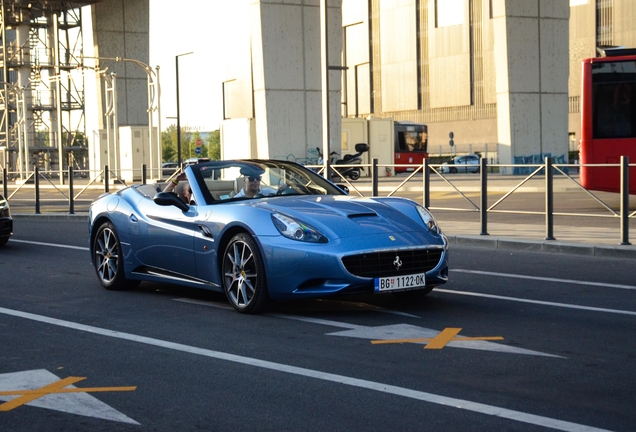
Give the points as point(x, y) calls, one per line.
point(449, 12)
point(604, 22)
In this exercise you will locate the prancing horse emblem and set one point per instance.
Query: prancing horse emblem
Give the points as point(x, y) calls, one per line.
point(397, 262)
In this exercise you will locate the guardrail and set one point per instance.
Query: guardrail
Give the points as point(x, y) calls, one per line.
point(106, 178)
point(547, 169)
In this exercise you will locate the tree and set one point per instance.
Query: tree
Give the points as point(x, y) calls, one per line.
point(213, 144)
point(169, 144)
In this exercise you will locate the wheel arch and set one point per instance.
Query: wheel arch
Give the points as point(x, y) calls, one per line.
point(225, 239)
point(99, 221)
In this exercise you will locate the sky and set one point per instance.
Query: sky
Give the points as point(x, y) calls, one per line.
point(181, 27)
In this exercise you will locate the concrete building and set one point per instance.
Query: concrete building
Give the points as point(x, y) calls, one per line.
point(501, 75)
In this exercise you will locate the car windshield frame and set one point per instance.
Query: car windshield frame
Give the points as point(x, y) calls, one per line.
point(219, 181)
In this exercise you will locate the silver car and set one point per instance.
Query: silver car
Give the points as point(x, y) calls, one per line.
point(461, 164)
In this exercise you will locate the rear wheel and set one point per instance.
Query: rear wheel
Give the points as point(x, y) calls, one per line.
point(453, 170)
point(354, 175)
point(244, 279)
point(4, 240)
point(108, 259)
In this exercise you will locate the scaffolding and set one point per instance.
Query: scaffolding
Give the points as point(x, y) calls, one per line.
point(42, 103)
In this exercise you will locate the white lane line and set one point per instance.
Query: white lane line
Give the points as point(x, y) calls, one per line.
point(571, 281)
point(341, 379)
point(539, 302)
point(49, 244)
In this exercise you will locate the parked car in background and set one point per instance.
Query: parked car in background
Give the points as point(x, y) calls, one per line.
point(299, 237)
point(168, 168)
point(6, 223)
point(461, 164)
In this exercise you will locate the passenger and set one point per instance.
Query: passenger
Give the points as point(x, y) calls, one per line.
point(253, 188)
point(184, 186)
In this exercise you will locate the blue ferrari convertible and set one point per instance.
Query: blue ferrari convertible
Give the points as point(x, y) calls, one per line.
point(264, 231)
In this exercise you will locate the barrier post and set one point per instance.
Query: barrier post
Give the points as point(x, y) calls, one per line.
point(71, 204)
point(375, 177)
point(483, 206)
point(5, 186)
point(549, 201)
point(106, 179)
point(625, 200)
point(36, 177)
point(426, 184)
point(143, 174)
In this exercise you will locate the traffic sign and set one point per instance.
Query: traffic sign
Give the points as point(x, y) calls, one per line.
point(199, 142)
point(197, 150)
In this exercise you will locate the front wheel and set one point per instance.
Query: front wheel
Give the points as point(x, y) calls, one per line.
point(244, 279)
point(108, 259)
point(354, 175)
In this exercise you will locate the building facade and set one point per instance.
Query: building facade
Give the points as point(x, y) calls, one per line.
point(503, 76)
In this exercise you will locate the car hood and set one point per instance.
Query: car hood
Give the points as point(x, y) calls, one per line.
point(345, 216)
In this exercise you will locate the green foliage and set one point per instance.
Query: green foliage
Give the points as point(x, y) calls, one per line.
point(213, 143)
point(211, 146)
point(169, 144)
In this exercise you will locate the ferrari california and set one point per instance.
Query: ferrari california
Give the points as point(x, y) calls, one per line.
point(264, 231)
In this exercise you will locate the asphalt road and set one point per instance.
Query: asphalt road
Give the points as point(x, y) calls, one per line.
point(546, 343)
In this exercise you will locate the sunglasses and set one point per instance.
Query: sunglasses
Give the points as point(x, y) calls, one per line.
point(250, 178)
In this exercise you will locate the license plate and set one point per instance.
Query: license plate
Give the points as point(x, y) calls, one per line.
point(405, 282)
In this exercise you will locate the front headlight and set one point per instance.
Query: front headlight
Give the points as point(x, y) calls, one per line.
point(295, 230)
point(428, 219)
point(4, 205)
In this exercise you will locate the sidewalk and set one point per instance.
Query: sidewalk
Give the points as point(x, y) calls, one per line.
point(601, 242)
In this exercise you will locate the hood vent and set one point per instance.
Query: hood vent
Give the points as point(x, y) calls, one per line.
point(361, 215)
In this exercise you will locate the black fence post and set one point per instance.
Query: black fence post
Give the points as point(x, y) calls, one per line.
point(483, 204)
point(106, 179)
point(549, 200)
point(375, 177)
point(426, 187)
point(143, 174)
point(36, 182)
point(5, 186)
point(625, 200)
point(71, 203)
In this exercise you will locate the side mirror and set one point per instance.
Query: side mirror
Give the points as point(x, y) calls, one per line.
point(170, 199)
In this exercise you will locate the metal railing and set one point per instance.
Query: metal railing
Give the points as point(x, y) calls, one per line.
point(104, 179)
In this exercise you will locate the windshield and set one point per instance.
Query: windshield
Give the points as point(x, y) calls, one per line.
point(224, 181)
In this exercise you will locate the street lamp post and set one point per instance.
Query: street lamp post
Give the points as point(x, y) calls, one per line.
point(178, 113)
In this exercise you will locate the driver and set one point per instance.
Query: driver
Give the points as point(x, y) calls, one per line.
point(253, 188)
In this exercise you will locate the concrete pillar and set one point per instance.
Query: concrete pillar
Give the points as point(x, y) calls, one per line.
point(286, 76)
point(531, 57)
point(120, 28)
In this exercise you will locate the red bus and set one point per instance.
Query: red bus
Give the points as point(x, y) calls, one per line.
point(608, 119)
point(411, 145)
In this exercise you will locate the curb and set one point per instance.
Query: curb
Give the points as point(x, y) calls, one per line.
point(555, 247)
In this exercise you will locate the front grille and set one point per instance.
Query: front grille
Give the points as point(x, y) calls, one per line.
point(381, 264)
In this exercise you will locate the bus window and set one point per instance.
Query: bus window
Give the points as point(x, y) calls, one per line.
point(614, 113)
point(411, 145)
